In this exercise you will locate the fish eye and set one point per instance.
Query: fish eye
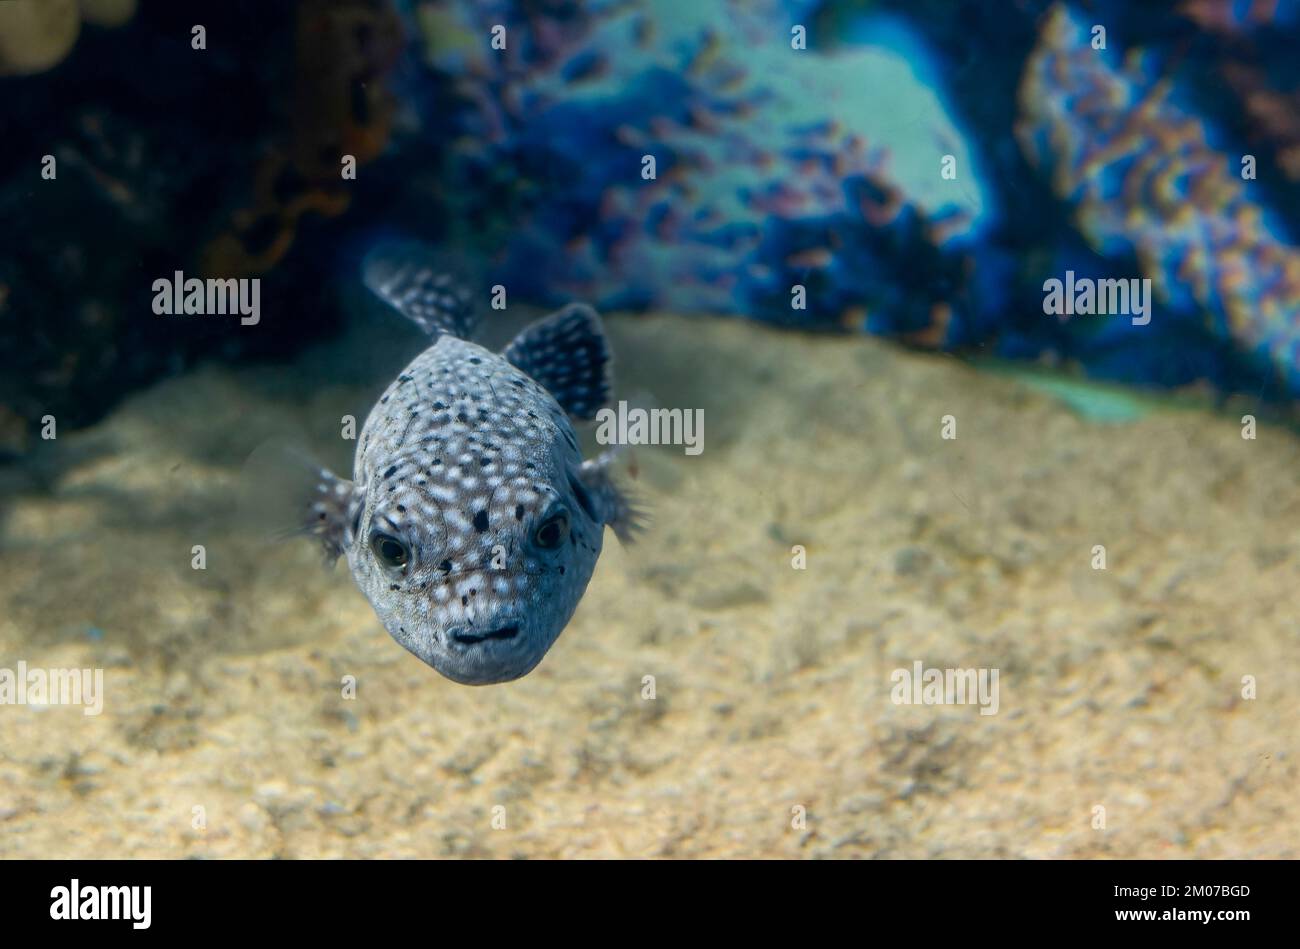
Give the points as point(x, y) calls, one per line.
point(552, 531)
point(390, 551)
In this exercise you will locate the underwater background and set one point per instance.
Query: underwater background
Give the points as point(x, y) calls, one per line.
point(827, 224)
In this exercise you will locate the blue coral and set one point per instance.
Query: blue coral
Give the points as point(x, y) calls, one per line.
point(775, 166)
point(780, 168)
point(1149, 179)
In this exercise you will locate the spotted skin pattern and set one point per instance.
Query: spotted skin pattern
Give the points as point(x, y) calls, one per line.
point(472, 523)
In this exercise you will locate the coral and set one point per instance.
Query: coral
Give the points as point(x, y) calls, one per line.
point(1147, 178)
point(1274, 113)
point(147, 167)
point(1253, 56)
point(340, 107)
point(775, 166)
point(1241, 16)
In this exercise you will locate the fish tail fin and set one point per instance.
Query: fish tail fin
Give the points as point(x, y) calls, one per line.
point(423, 286)
point(622, 510)
point(285, 493)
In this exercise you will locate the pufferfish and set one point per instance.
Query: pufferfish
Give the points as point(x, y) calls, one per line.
point(472, 523)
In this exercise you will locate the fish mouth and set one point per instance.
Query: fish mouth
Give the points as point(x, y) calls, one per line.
point(469, 639)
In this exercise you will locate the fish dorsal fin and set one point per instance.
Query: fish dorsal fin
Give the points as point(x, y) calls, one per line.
point(413, 280)
point(567, 353)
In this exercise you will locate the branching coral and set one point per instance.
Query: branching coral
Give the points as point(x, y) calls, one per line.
point(774, 164)
point(1147, 178)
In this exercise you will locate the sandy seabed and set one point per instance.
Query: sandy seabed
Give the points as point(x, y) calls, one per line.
point(1119, 689)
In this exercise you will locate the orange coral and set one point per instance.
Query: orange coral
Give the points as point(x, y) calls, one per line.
point(340, 108)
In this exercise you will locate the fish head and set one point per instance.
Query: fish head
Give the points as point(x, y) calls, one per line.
point(478, 582)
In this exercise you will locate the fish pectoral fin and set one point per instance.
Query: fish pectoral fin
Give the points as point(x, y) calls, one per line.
point(568, 354)
point(285, 493)
point(326, 518)
point(622, 511)
point(422, 286)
